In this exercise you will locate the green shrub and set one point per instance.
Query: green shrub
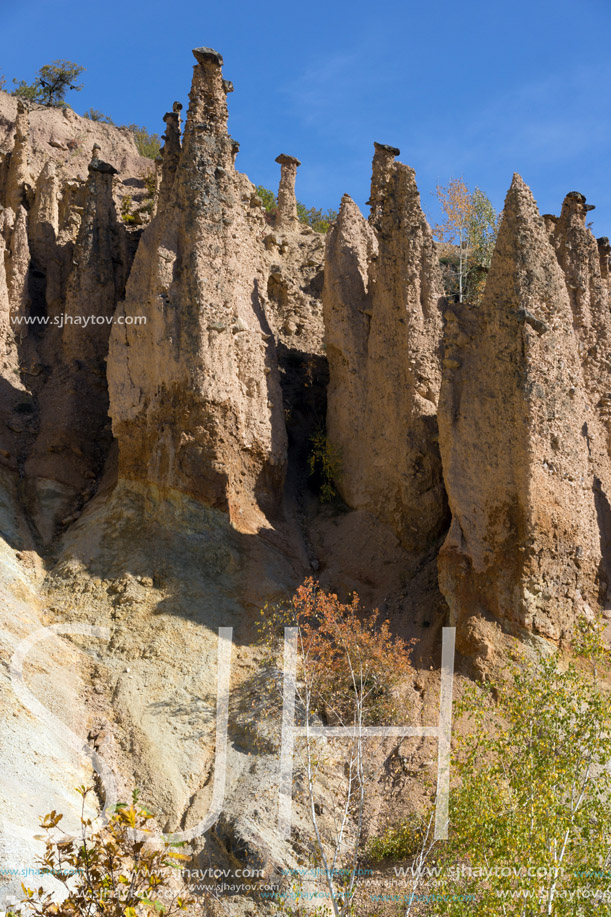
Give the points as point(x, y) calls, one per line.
point(269, 199)
point(52, 83)
point(147, 144)
point(325, 459)
point(92, 114)
point(150, 183)
point(316, 218)
point(533, 788)
point(319, 220)
point(398, 842)
point(26, 91)
point(127, 214)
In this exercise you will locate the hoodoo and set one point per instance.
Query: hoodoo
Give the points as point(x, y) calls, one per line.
point(74, 435)
point(287, 201)
point(382, 302)
point(18, 180)
point(194, 389)
point(516, 429)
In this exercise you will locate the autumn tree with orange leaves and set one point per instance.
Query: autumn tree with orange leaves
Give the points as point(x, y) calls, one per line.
point(350, 667)
point(471, 224)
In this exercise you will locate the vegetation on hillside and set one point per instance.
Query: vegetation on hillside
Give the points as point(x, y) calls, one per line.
point(51, 84)
point(147, 144)
point(120, 870)
point(92, 114)
point(470, 227)
point(349, 666)
point(530, 809)
point(325, 461)
point(319, 220)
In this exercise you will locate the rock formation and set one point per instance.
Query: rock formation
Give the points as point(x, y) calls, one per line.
point(351, 247)
point(604, 255)
point(8, 352)
point(43, 231)
point(18, 180)
point(19, 264)
point(147, 476)
point(74, 436)
point(194, 393)
point(170, 155)
point(66, 138)
point(294, 286)
point(583, 264)
point(517, 435)
point(287, 201)
point(44, 216)
point(381, 301)
point(382, 170)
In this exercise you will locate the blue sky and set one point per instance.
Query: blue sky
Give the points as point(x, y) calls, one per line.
point(469, 88)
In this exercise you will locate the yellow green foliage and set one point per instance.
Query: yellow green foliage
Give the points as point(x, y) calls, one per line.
point(121, 870)
point(325, 460)
point(398, 842)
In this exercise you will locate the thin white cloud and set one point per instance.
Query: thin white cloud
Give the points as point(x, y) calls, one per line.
point(326, 86)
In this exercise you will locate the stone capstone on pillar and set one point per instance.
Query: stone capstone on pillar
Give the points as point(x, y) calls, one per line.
point(287, 201)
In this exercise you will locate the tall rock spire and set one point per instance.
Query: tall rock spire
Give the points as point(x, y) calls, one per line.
point(9, 361)
point(515, 435)
point(170, 155)
point(604, 255)
point(381, 301)
point(19, 265)
point(286, 216)
point(74, 435)
point(382, 170)
point(194, 393)
point(44, 216)
point(351, 245)
point(43, 230)
point(18, 178)
point(14, 424)
point(583, 263)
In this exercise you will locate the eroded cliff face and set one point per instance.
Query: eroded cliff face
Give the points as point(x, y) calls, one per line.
point(194, 394)
point(215, 345)
point(584, 264)
point(177, 520)
point(145, 457)
point(66, 257)
point(520, 445)
point(383, 301)
point(61, 135)
point(74, 436)
point(18, 180)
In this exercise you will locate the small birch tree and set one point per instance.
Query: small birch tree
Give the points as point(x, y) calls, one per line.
point(471, 224)
point(532, 812)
